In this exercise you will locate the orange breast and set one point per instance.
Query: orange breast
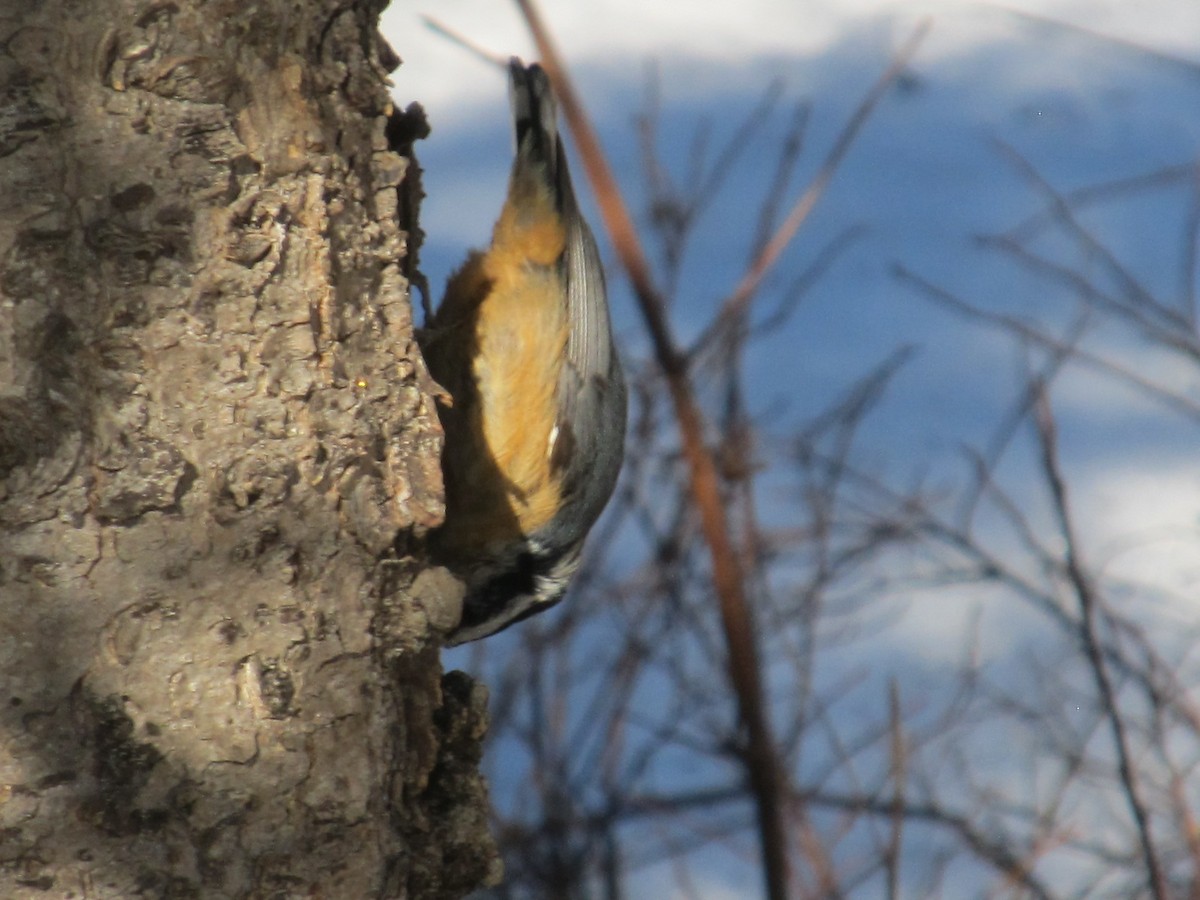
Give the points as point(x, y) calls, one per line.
point(505, 331)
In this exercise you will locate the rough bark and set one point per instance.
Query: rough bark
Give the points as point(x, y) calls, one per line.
point(219, 458)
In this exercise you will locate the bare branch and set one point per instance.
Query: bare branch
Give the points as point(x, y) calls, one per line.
point(1168, 397)
point(1143, 50)
point(899, 776)
point(1089, 603)
point(1141, 301)
point(457, 37)
point(745, 290)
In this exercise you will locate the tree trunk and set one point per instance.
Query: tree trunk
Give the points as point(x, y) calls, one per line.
point(219, 459)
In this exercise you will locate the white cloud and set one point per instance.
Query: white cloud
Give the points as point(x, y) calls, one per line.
point(614, 33)
point(1142, 522)
point(1091, 392)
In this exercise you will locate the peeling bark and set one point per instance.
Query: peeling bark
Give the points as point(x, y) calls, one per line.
point(219, 458)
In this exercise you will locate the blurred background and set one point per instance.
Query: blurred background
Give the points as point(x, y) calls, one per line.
point(955, 427)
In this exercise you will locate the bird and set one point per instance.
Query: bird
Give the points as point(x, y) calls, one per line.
point(535, 425)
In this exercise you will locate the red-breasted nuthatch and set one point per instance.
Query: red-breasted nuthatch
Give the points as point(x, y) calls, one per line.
point(523, 344)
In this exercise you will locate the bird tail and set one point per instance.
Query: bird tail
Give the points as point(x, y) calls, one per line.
point(535, 127)
point(534, 111)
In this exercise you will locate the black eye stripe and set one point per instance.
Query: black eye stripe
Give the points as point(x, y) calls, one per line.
point(522, 589)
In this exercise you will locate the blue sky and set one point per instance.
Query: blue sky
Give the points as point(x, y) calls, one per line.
point(924, 179)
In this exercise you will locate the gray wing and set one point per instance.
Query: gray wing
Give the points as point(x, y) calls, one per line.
point(592, 397)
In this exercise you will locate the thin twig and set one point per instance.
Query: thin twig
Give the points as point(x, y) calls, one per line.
point(1104, 191)
point(790, 151)
point(1190, 251)
point(1089, 603)
point(472, 47)
point(989, 846)
point(1140, 298)
point(1172, 399)
point(899, 771)
point(745, 290)
point(831, 252)
point(1189, 66)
